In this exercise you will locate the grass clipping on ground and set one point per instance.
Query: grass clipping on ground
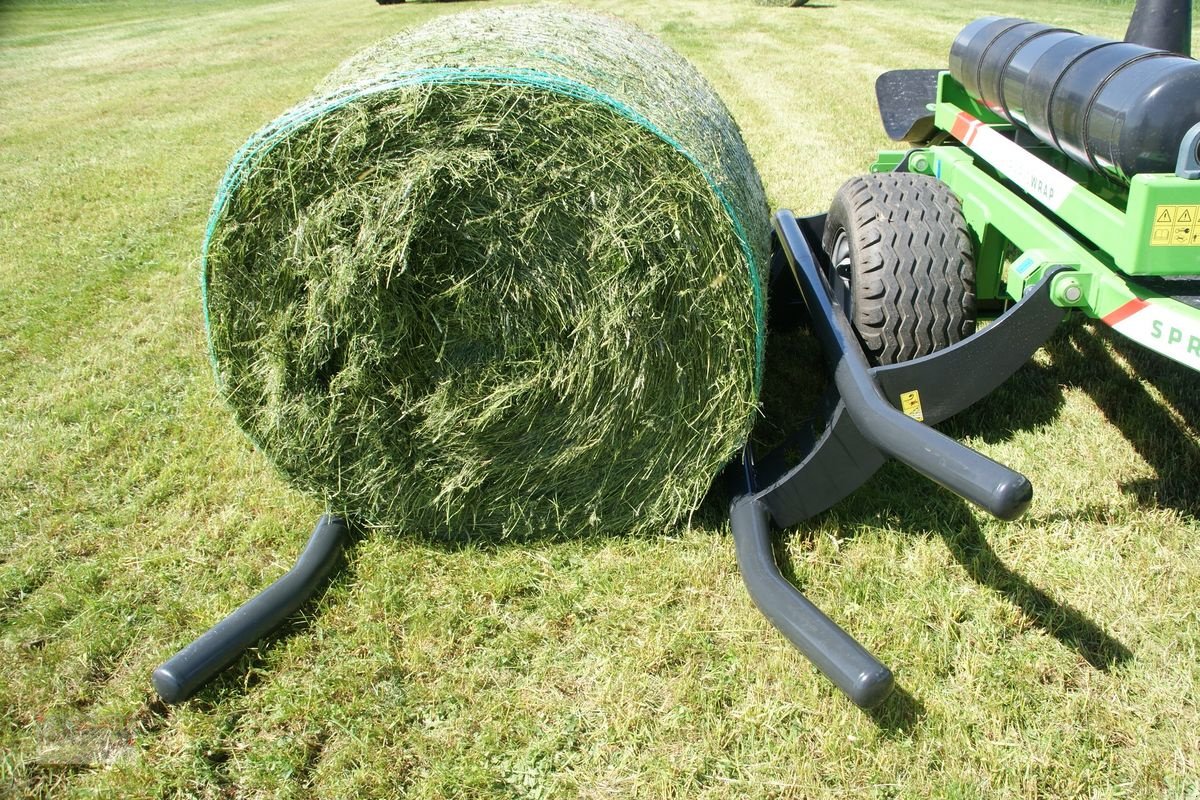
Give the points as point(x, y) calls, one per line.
point(501, 275)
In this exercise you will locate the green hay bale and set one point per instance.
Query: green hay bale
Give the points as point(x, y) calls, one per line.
point(500, 275)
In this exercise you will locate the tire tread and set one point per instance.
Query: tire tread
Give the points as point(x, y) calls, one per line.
point(913, 283)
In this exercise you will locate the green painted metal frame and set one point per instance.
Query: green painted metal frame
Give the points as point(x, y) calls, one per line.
point(1055, 213)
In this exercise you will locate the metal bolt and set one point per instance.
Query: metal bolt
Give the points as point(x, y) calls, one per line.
point(1072, 293)
point(919, 164)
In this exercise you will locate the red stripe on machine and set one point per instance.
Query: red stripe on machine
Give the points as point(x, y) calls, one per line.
point(1125, 312)
point(964, 128)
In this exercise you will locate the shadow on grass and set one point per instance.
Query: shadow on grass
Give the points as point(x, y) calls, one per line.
point(942, 513)
point(1031, 398)
point(1064, 622)
point(899, 715)
point(946, 515)
point(1083, 360)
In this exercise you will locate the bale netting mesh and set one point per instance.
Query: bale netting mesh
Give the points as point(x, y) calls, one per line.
point(501, 275)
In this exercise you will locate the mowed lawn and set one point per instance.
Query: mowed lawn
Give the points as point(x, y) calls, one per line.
point(1058, 656)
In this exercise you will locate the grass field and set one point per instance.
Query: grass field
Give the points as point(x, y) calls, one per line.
point(1058, 656)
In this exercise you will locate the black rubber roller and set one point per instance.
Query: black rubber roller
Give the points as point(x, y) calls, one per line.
point(1119, 108)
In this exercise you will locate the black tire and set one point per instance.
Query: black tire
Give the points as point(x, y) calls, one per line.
point(901, 264)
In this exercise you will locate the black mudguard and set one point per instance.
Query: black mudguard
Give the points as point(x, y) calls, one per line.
point(905, 97)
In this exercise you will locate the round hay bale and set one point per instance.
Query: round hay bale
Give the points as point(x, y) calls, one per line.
point(501, 275)
point(782, 3)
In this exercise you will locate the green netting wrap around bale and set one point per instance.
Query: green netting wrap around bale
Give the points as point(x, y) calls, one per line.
point(502, 274)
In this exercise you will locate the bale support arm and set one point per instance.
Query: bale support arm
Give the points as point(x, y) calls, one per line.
point(196, 664)
point(864, 426)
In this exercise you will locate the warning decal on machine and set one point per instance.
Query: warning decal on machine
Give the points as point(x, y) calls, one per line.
point(1175, 226)
point(910, 404)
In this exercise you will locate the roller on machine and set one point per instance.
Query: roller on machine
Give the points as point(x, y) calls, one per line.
point(1119, 108)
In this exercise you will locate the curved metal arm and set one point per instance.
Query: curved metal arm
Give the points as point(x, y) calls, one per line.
point(836, 653)
point(195, 664)
point(988, 484)
point(997, 489)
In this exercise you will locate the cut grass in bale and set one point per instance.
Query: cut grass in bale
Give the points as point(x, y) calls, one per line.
point(501, 276)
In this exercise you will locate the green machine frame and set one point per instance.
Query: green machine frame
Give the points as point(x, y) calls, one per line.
point(1033, 210)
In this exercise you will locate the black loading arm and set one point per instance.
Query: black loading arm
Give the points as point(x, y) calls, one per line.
point(194, 665)
point(863, 428)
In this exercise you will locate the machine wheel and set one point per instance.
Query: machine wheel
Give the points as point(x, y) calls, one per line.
point(901, 264)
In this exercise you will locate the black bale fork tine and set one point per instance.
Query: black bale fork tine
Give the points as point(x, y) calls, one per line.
point(836, 653)
point(194, 665)
point(863, 427)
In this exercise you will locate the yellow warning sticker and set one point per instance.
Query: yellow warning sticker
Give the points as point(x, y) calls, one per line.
point(910, 404)
point(1175, 226)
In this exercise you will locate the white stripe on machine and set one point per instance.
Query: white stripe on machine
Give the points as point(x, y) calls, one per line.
point(1159, 328)
point(1020, 166)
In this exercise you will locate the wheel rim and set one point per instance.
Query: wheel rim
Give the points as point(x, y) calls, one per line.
point(840, 269)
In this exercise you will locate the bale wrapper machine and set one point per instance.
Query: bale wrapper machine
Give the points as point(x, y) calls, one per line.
point(1047, 171)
